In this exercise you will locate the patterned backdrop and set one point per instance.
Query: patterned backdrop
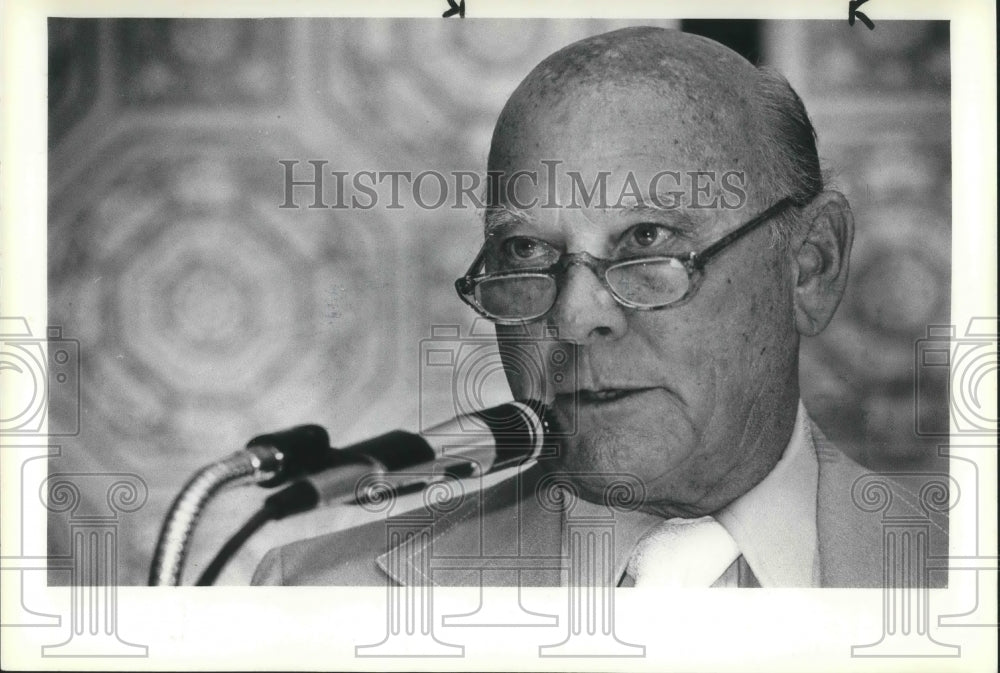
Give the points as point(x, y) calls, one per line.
point(207, 314)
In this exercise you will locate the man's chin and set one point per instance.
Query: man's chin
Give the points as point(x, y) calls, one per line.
point(598, 486)
point(624, 490)
point(603, 447)
point(598, 472)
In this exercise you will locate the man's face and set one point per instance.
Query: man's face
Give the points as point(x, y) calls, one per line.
point(696, 400)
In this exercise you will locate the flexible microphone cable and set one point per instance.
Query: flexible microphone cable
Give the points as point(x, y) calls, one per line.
point(267, 460)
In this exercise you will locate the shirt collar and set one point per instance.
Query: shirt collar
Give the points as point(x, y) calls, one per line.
point(774, 523)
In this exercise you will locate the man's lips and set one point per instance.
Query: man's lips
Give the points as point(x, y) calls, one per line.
point(605, 395)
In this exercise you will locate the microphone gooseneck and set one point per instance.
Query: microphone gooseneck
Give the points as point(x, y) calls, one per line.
point(270, 459)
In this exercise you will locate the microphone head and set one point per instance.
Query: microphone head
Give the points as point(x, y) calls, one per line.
point(513, 418)
point(521, 430)
point(300, 451)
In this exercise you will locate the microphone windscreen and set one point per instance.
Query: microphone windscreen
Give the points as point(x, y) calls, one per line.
point(305, 450)
point(518, 431)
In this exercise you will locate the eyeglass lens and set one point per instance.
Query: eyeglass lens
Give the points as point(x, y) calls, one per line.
point(641, 283)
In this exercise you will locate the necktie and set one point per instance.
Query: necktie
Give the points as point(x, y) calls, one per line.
point(682, 553)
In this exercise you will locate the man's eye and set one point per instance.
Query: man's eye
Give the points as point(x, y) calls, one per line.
point(648, 235)
point(523, 249)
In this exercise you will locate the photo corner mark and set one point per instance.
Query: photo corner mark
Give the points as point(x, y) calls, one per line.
point(454, 9)
point(852, 13)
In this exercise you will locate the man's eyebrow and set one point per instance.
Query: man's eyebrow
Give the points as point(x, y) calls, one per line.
point(670, 216)
point(498, 217)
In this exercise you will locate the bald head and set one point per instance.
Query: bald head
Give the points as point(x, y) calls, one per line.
point(669, 58)
point(693, 102)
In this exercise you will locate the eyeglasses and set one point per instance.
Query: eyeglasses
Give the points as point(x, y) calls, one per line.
point(645, 283)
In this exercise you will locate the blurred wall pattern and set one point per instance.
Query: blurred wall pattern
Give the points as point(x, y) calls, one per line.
point(206, 314)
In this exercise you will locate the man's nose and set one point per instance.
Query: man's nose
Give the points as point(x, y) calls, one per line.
point(585, 311)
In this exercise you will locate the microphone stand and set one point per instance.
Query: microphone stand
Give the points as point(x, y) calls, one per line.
point(175, 536)
point(267, 460)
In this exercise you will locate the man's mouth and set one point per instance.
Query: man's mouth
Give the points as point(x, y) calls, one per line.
point(607, 395)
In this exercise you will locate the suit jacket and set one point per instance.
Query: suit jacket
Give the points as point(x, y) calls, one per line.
point(505, 536)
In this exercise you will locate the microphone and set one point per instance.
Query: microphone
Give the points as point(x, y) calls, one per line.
point(280, 457)
point(504, 436)
point(467, 445)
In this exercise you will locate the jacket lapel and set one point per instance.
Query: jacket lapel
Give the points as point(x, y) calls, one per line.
point(850, 539)
point(499, 536)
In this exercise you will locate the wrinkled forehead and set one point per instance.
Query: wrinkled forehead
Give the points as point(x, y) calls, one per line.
point(627, 127)
point(630, 139)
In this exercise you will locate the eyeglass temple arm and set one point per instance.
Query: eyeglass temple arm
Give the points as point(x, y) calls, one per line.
point(701, 258)
point(462, 284)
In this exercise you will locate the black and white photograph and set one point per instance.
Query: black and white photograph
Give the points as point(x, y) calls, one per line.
point(520, 338)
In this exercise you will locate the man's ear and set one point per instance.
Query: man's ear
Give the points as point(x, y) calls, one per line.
point(820, 261)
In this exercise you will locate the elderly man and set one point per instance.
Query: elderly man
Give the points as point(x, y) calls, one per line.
point(660, 208)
